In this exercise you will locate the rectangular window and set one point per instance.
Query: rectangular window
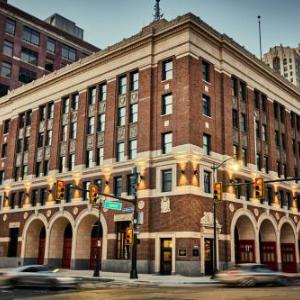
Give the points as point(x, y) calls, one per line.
point(235, 118)
point(134, 81)
point(120, 155)
point(130, 184)
point(69, 192)
point(207, 181)
point(206, 105)
point(266, 164)
point(257, 129)
point(24, 171)
point(102, 92)
point(132, 149)
point(43, 196)
point(278, 167)
point(167, 142)
point(41, 139)
point(2, 175)
point(167, 70)
point(46, 168)
point(17, 174)
point(49, 138)
point(71, 162)
point(73, 130)
point(277, 140)
point(264, 103)
point(4, 150)
point(206, 144)
point(283, 141)
point(101, 122)
point(91, 125)
point(89, 159)
point(100, 156)
point(85, 194)
point(68, 53)
point(50, 45)
point(42, 113)
point(122, 85)
point(167, 102)
point(3, 89)
point(31, 36)
point(166, 180)
point(117, 186)
point(6, 69)
point(19, 145)
point(49, 64)
point(8, 48)
point(235, 151)
point(121, 116)
point(26, 76)
point(244, 156)
point(10, 26)
point(22, 120)
point(264, 135)
point(270, 195)
point(244, 122)
point(133, 113)
point(234, 87)
point(258, 161)
point(13, 242)
point(64, 133)
point(34, 197)
point(50, 111)
point(282, 114)
point(62, 164)
point(205, 71)
point(28, 118)
point(38, 170)
point(29, 56)
point(6, 126)
point(123, 250)
point(243, 91)
point(256, 99)
point(75, 102)
point(275, 107)
point(92, 95)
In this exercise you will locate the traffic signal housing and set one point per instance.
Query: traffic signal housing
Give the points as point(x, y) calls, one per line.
point(259, 189)
point(218, 191)
point(93, 193)
point(129, 236)
point(59, 190)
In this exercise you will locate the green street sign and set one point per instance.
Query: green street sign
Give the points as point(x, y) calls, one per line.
point(114, 205)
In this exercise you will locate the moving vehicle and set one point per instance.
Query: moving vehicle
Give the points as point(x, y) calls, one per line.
point(250, 275)
point(36, 276)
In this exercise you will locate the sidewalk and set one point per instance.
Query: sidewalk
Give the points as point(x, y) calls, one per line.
point(142, 278)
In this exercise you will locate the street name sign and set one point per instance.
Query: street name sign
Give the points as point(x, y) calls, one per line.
point(114, 205)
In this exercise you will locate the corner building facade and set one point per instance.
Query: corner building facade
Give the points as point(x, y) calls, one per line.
point(171, 100)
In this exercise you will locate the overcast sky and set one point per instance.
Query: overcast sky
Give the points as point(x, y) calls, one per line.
point(106, 22)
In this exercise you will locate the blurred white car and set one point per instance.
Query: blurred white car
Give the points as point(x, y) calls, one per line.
point(250, 275)
point(36, 276)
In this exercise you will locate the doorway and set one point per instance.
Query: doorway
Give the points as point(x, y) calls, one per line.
point(166, 256)
point(41, 251)
point(67, 247)
point(208, 251)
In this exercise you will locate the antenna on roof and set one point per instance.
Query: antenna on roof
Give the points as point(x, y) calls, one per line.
point(157, 15)
point(259, 31)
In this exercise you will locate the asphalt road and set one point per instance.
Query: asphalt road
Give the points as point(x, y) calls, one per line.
point(162, 293)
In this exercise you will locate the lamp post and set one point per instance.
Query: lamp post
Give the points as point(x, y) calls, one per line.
point(97, 264)
point(215, 168)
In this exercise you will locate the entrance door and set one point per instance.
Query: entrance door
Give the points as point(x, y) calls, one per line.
point(94, 253)
point(246, 251)
point(268, 254)
point(40, 259)
point(67, 248)
point(166, 256)
point(209, 254)
point(288, 258)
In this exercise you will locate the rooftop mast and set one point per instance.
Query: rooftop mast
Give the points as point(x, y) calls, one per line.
point(157, 15)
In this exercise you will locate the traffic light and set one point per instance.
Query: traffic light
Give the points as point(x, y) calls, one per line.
point(93, 193)
point(218, 191)
point(129, 236)
point(259, 188)
point(59, 190)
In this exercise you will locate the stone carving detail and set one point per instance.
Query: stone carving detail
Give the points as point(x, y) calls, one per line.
point(19, 159)
point(25, 216)
point(91, 110)
point(121, 134)
point(134, 97)
point(63, 148)
point(25, 157)
point(74, 116)
point(50, 124)
point(48, 213)
point(122, 100)
point(141, 204)
point(133, 131)
point(47, 152)
point(231, 207)
point(277, 216)
point(208, 220)
point(65, 119)
point(28, 131)
point(89, 142)
point(75, 211)
point(39, 155)
point(72, 146)
point(256, 212)
point(4, 217)
point(100, 139)
point(102, 107)
point(165, 205)
point(296, 219)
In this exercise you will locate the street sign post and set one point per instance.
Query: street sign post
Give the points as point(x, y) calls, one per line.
point(114, 205)
point(127, 209)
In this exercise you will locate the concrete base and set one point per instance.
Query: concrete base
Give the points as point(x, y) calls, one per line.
point(124, 266)
point(188, 268)
point(10, 262)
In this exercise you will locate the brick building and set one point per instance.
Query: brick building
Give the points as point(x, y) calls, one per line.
point(31, 48)
point(172, 100)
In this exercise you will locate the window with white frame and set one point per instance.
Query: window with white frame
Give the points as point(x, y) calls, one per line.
point(167, 142)
point(207, 176)
point(132, 149)
point(120, 155)
point(166, 180)
point(167, 103)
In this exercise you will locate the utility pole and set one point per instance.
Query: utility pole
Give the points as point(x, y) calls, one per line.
point(133, 271)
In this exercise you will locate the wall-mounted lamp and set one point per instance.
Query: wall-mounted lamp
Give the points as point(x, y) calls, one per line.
point(106, 182)
point(276, 193)
point(182, 172)
point(195, 172)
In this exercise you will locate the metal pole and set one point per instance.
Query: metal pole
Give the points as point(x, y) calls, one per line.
point(133, 271)
point(215, 225)
point(97, 265)
point(259, 29)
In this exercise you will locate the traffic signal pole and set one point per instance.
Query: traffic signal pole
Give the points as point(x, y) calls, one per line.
point(133, 271)
point(97, 263)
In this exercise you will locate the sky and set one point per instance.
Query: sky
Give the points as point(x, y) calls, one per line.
point(106, 22)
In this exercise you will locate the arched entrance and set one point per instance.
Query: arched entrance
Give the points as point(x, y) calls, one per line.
point(60, 243)
point(288, 249)
point(34, 251)
point(267, 245)
point(244, 240)
point(86, 243)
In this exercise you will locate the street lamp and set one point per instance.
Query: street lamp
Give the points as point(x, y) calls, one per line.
point(235, 167)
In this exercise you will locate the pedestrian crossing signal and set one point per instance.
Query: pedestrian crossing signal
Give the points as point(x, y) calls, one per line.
point(218, 191)
point(129, 236)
